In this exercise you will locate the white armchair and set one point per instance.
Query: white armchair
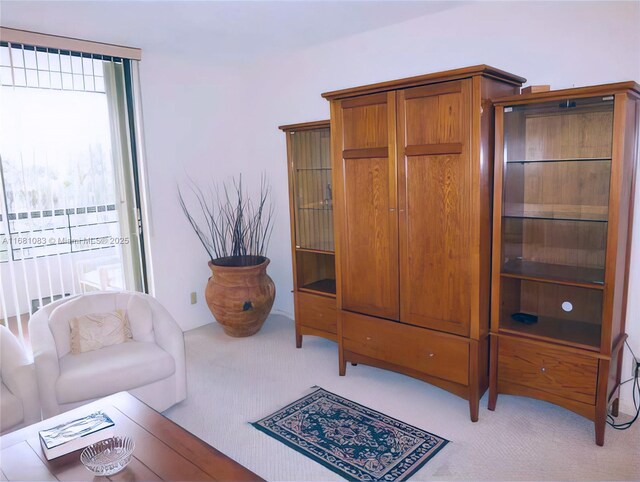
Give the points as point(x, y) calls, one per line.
point(19, 403)
point(151, 366)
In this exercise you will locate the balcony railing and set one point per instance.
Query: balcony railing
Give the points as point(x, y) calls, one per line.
point(34, 234)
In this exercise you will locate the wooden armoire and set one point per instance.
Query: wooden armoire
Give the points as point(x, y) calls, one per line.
point(563, 210)
point(412, 176)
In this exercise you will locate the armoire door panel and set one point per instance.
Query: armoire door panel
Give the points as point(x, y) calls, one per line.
point(370, 275)
point(435, 118)
point(365, 126)
point(435, 290)
point(368, 222)
point(434, 190)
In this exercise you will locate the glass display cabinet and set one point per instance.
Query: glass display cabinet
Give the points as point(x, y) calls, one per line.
point(564, 165)
point(554, 222)
point(311, 210)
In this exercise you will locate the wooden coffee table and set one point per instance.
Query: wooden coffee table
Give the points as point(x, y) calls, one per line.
point(164, 450)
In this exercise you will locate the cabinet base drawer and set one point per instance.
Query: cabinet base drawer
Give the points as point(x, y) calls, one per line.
point(549, 369)
point(317, 312)
point(419, 349)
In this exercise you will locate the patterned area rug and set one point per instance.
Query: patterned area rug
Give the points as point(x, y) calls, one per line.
point(354, 441)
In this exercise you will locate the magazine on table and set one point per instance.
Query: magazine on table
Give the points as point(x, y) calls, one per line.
point(76, 434)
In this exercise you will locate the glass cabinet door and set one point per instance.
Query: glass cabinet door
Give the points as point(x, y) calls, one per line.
point(313, 210)
point(554, 219)
point(313, 196)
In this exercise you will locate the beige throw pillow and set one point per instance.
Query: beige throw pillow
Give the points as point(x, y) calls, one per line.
point(97, 330)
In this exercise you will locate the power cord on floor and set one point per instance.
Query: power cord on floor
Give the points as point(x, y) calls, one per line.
point(635, 391)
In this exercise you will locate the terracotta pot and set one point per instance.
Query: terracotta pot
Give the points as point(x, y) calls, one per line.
point(239, 296)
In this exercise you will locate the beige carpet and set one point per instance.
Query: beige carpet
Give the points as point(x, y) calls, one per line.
point(232, 382)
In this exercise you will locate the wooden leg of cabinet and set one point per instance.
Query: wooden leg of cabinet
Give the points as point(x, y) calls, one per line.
point(615, 406)
point(474, 406)
point(354, 364)
point(600, 424)
point(493, 399)
point(297, 322)
point(298, 333)
point(600, 421)
point(493, 373)
point(298, 337)
point(342, 362)
point(474, 380)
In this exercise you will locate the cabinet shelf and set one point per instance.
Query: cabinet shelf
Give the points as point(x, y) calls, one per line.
point(550, 216)
point(572, 159)
point(300, 249)
point(313, 168)
point(327, 208)
point(573, 333)
point(556, 273)
point(325, 286)
point(557, 211)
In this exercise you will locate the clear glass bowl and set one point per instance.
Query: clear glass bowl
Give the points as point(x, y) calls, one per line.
point(109, 456)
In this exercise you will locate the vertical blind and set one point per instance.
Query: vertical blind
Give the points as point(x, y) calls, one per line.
point(69, 210)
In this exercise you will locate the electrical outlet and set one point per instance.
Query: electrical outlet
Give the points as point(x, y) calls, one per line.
point(635, 365)
point(194, 298)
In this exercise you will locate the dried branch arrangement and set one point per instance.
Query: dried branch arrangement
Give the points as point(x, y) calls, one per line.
point(234, 230)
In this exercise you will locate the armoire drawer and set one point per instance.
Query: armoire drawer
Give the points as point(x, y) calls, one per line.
point(318, 312)
point(553, 370)
point(415, 348)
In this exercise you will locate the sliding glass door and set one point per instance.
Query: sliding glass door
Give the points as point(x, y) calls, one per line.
point(69, 203)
